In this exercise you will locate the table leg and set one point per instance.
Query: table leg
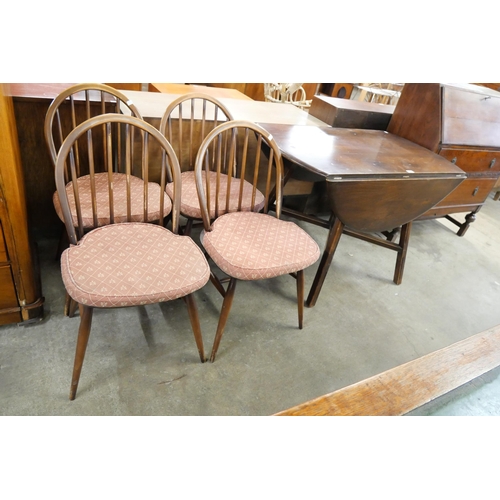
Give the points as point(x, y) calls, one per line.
point(400, 261)
point(331, 245)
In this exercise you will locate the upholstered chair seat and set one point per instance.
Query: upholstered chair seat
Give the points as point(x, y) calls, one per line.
point(251, 246)
point(132, 264)
point(119, 200)
point(190, 205)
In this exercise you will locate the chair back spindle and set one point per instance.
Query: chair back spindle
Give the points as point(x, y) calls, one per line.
point(252, 156)
point(71, 195)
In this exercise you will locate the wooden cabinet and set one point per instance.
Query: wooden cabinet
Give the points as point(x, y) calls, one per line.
point(346, 113)
point(460, 122)
point(20, 290)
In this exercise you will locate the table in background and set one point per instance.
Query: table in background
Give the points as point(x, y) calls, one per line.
point(152, 105)
point(186, 88)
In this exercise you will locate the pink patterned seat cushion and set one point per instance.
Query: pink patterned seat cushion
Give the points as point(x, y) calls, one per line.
point(119, 200)
point(132, 264)
point(251, 246)
point(190, 205)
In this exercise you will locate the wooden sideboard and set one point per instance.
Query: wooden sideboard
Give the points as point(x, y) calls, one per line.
point(20, 289)
point(460, 122)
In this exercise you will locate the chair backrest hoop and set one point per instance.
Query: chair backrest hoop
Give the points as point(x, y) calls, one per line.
point(261, 134)
point(100, 120)
point(71, 91)
point(221, 114)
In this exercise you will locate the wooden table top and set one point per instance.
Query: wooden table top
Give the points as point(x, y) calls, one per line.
point(183, 88)
point(346, 152)
point(152, 105)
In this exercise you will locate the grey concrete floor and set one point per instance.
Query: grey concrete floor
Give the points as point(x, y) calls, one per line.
point(143, 361)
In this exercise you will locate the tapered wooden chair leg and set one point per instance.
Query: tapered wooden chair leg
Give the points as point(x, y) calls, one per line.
point(67, 304)
point(188, 227)
point(81, 347)
point(300, 296)
point(226, 307)
point(195, 324)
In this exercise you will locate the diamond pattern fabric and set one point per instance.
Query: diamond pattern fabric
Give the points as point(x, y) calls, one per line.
point(190, 205)
point(132, 264)
point(119, 200)
point(252, 246)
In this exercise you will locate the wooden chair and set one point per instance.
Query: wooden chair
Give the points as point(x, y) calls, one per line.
point(133, 260)
point(70, 108)
point(292, 93)
point(185, 123)
point(248, 243)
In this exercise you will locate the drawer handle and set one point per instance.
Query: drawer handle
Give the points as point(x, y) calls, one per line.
point(475, 191)
point(454, 160)
point(492, 162)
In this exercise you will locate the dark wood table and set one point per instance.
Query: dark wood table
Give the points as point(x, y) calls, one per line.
point(376, 182)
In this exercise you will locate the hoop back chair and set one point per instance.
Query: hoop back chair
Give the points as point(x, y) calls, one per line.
point(70, 108)
point(136, 261)
point(185, 123)
point(247, 243)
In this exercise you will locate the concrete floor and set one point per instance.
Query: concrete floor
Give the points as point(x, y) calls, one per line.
point(143, 361)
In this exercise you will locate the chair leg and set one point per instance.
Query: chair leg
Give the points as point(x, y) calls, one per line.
point(300, 296)
point(217, 283)
point(195, 324)
point(226, 307)
point(81, 347)
point(63, 242)
point(188, 227)
point(69, 306)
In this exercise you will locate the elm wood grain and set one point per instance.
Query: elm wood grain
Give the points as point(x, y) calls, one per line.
point(460, 122)
point(20, 272)
point(408, 386)
point(376, 181)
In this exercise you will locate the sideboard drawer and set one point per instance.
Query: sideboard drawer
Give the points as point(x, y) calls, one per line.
point(471, 160)
point(472, 191)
